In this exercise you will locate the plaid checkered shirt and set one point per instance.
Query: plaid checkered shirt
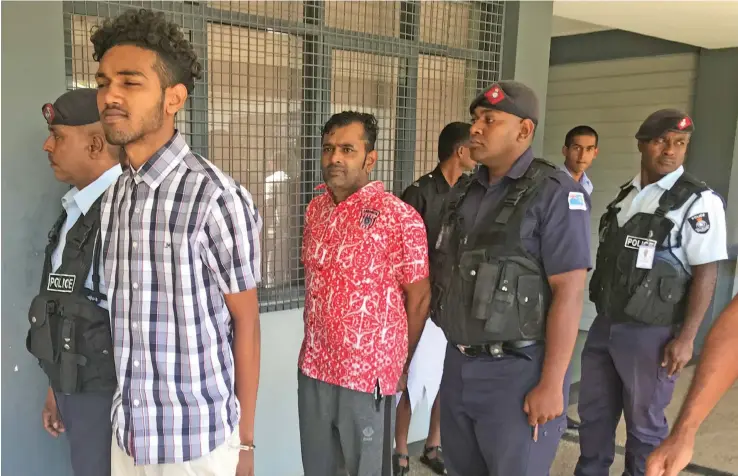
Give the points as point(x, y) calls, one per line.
point(178, 235)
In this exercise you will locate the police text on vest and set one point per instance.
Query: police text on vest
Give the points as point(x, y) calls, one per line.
point(635, 243)
point(61, 283)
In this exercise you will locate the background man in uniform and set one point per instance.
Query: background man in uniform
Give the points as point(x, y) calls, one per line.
point(366, 302)
point(660, 241)
point(182, 261)
point(427, 196)
point(79, 156)
point(716, 372)
point(508, 280)
point(580, 149)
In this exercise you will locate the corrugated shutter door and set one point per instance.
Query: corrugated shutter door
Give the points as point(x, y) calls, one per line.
point(613, 97)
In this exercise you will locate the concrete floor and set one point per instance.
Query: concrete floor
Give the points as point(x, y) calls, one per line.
point(716, 450)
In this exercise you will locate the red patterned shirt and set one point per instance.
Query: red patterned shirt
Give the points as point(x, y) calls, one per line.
point(358, 255)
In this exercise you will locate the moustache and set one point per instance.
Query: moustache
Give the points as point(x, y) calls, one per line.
point(115, 110)
point(335, 168)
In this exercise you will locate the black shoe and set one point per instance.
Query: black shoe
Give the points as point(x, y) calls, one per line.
point(571, 424)
point(436, 463)
point(397, 469)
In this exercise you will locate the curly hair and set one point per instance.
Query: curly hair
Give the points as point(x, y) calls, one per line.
point(178, 61)
point(343, 119)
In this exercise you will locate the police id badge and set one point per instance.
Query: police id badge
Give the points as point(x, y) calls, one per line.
point(646, 250)
point(61, 283)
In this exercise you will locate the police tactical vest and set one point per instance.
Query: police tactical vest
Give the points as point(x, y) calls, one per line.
point(70, 334)
point(487, 288)
point(625, 292)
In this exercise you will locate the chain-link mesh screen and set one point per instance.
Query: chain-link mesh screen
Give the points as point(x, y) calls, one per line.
point(276, 70)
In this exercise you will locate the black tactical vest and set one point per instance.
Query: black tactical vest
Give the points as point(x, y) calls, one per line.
point(487, 288)
point(70, 334)
point(622, 291)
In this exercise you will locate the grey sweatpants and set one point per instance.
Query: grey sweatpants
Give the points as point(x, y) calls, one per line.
point(344, 432)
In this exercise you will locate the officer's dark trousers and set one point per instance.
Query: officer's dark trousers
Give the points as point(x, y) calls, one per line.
point(484, 431)
point(87, 426)
point(622, 374)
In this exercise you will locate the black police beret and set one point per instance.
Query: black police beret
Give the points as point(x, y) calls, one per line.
point(511, 97)
point(73, 108)
point(662, 121)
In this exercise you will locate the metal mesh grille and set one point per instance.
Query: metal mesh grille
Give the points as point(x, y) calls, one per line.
point(274, 73)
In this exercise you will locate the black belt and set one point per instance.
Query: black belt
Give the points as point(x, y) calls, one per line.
point(498, 349)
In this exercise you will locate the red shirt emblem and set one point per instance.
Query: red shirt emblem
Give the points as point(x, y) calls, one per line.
point(357, 256)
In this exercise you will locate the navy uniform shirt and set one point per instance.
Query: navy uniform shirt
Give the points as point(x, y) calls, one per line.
point(556, 227)
point(428, 196)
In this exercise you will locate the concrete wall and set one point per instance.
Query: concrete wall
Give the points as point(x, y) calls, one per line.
point(713, 155)
point(525, 52)
point(33, 73)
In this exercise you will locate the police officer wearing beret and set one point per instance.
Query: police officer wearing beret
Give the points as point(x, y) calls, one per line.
point(508, 274)
point(660, 241)
point(427, 195)
point(69, 323)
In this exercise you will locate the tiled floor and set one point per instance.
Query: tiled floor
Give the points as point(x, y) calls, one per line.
point(716, 451)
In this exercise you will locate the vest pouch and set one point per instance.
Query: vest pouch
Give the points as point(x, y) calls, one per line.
point(70, 359)
point(530, 309)
point(484, 289)
point(466, 282)
point(655, 301)
point(39, 341)
point(516, 306)
point(97, 349)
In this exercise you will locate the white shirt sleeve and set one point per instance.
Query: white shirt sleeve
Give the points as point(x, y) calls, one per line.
point(704, 230)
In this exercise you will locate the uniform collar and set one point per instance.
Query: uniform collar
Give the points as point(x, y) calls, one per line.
point(666, 182)
point(584, 181)
point(519, 167)
point(84, 198)
point(157, 168)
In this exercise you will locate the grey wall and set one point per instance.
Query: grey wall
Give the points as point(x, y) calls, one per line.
point(33, 73)
point(611, 44)
point(525, 50)
point(712, 153)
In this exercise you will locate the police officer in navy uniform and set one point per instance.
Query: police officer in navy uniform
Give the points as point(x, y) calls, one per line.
point(508, 275)
point(428, 195)
point(660, 241)
point(69, 323)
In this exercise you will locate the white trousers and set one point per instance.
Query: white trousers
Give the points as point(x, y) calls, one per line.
point(426, 368)
point(220, 462)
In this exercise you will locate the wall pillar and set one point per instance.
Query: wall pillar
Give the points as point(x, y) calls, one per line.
point(713, 157)
point(33, 74)
point(525, 52)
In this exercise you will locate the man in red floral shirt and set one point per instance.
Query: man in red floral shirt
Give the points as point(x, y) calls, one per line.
point(367, 296)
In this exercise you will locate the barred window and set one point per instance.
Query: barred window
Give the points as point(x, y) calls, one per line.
point(274, 73)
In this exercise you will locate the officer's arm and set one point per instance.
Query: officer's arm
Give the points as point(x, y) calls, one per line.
point(563, 323)
point(704, 241)
point(716, 371)
point(565, 239)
